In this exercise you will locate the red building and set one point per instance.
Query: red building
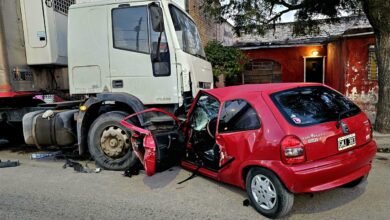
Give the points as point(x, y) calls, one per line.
point(341, 55)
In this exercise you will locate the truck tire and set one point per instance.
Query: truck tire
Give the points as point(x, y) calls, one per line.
point(109, 142)
point(267, 193)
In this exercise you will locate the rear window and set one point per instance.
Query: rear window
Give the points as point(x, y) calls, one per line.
point(313, 105)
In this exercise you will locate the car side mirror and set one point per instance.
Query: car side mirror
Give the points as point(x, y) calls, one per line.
point(157, 17)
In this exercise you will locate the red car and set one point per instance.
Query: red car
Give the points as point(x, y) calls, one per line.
point(274, 140)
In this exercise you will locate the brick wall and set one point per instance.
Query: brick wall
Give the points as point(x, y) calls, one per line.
point(209, 28)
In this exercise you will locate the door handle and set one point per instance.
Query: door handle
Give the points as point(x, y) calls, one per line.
point(117, 83)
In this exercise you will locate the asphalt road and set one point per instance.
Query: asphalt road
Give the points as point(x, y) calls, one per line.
point(43, 190)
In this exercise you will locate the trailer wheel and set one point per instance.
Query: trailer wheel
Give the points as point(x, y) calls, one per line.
point(109, 142)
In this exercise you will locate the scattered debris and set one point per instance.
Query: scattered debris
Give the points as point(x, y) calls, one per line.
point(133, 171)
point(48, 114)
point(9, 163)
point(383, 150)
point(193, 175)
point(79, 168)
point(38, 156)
point(246, 202)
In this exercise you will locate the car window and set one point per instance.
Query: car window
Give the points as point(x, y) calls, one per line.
point(130, 28)
point(313, 105)
point(238, 115)
point(206, 108)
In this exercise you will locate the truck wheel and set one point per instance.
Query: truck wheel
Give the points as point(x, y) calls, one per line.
point(267, 194)
point(109, 143)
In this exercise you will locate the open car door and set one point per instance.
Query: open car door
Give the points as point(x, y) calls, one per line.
point(205, 147)
point(156, 139)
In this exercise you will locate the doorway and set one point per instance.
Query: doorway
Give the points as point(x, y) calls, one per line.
point(314, 69)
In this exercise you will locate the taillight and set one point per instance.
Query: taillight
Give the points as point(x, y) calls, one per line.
point(369, 131)
point(292, 150)
point(149, 142)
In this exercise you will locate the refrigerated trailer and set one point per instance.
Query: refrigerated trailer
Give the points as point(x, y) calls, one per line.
point(105, 59)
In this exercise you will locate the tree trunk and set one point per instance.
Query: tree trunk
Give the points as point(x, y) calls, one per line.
point(382, 122)
point(377, 12)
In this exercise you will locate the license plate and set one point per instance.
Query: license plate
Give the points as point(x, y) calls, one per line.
point(347, 141)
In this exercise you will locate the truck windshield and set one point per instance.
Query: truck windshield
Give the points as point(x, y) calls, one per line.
point(186, 32)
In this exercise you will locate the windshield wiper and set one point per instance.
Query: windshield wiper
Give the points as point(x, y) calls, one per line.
point(341, 114)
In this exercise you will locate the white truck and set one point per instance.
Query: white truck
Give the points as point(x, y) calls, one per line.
point(106, 58)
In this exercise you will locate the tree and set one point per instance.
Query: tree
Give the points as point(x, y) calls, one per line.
point(228, 61)
point(259, 15)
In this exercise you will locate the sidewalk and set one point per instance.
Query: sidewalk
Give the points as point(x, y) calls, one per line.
point(383, 141)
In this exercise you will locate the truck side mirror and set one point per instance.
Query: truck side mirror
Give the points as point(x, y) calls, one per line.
point(156, 15)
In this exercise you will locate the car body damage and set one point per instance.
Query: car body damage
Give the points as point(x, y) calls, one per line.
point(156, 141)
point(273, 140)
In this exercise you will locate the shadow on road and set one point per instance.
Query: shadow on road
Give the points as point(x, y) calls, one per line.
point(303, 204)
point(25, 151)
point(306, 203)
point(328, 200)
point(160, 180)
point(19, 149)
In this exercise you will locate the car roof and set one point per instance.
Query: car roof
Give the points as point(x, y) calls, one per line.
point(240, 91)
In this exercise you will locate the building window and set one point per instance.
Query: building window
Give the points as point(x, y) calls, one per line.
point(372, 64)
point(262, 71)
point(130, 27)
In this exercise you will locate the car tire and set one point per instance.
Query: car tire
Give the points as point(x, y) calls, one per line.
point(272, 200)
point(106, 158)
point(355, 183)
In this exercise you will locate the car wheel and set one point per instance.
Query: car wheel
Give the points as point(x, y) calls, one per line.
point(109, 142)
point(267, 194)
point(355, 183)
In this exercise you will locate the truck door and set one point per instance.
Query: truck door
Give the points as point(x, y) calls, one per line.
point(140, 59)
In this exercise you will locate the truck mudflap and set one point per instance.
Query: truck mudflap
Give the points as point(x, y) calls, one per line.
point(157, 141)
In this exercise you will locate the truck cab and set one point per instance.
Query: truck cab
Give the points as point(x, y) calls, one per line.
point(115, 46)
point(122, 57)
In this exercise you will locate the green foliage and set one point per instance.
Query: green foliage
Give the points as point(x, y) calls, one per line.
point(257, 16)
point(225, 60)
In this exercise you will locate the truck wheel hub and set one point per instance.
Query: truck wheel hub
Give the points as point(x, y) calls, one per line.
point(114, 142)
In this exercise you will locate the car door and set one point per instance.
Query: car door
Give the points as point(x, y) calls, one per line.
point(155, 138)
point(238, 130)
point(205, 148)
point(200, 141)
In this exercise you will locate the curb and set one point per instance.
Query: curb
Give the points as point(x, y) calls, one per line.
point(382, 141)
